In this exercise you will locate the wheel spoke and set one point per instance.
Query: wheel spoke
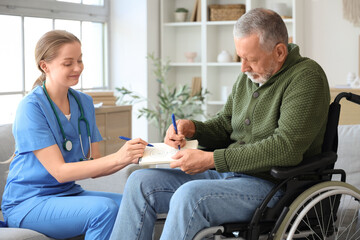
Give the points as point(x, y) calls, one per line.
point(328, 210)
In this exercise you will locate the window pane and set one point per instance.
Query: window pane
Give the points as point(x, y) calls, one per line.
point(94, 2)
point(87, 2)
point(11, 66)
point(93, 54)
point(68, 25)
point(9, 108)
point(70, 1)
point(34, 29)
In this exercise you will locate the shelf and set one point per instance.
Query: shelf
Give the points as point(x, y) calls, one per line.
point(186, 64)
point(208, 39)
point(221, 23)
point(182, 24)
point(229, 64)
point(288, 20)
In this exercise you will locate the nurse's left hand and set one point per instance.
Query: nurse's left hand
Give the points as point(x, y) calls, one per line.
point(132, 150)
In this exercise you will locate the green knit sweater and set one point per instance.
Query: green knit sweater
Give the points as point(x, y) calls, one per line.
point(276, 124)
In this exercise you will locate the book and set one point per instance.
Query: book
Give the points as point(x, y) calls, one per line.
point(198, 13)
point(161, 153)
point(196, 86)
point(194, 12)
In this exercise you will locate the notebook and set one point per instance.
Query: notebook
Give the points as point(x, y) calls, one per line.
point(161, 153)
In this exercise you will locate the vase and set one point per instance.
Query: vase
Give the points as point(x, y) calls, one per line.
point(224, 56)
point(190, 56)
point(355, 83)
point(350, 78)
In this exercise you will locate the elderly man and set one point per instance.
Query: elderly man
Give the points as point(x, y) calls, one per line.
point(275, 116)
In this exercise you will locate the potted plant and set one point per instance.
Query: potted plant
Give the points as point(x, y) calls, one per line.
point(181, 14)
point(171, 99)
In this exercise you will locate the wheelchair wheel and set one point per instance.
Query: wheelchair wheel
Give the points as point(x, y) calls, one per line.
point(328, 210)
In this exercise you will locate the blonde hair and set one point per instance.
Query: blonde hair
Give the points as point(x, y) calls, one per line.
point(47, 49)
point(9, 160)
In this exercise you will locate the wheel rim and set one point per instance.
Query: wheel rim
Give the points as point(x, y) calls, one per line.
point(308, 210)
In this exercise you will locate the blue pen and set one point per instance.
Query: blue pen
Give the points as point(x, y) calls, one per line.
point(127, 139)
point(174, 123)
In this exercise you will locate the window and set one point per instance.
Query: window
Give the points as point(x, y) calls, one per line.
point(23, 22)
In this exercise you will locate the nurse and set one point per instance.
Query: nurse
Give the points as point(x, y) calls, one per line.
point(56, 144)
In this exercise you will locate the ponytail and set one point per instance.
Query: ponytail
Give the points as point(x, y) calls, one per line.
point(9, 160)
point(40, 80)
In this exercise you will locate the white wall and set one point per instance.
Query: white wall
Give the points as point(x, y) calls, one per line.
point(330, 39)
point(134, 34)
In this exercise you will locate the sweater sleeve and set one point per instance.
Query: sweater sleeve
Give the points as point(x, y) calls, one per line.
point(215, 133)
point(301, 126)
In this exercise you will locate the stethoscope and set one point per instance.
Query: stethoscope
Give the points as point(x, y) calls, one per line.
point(67, 145)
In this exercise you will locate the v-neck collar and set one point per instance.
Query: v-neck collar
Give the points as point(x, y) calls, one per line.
point(70, 127)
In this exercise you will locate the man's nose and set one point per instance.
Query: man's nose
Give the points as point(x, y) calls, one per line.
point(245, 66)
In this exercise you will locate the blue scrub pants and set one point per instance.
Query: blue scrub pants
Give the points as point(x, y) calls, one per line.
point(193, 202)
point(90, 213)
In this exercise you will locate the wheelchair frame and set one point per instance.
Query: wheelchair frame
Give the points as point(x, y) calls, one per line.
point(272, 223)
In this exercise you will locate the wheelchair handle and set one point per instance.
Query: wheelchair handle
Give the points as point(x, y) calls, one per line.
point(349, 96)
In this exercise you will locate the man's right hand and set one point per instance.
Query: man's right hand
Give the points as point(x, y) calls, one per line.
point(186, 128)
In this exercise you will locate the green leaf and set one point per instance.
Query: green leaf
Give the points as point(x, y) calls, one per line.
point(171, 98)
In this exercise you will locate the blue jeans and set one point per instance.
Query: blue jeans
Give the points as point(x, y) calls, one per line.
point(193, 202)
point(90, 213)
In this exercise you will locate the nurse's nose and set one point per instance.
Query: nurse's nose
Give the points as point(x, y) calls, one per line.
point(245, 66)
point(79, 67)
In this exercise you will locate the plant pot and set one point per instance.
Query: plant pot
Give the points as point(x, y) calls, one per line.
point(180, 16)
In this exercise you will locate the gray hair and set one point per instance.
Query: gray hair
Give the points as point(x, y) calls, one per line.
point(267, 24)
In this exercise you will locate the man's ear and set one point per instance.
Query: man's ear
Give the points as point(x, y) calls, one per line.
point(280, 52)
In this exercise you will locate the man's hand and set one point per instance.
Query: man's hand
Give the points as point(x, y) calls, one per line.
point(192, 161)
point(186, 128)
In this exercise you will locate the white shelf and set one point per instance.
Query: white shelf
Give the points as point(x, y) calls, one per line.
point(219, 23)
point(288, 20)
point(208, 39)
point(186, 64)
point(229, 64)
point(182, 24)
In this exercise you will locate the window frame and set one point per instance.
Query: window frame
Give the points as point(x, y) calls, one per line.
point(53, 10)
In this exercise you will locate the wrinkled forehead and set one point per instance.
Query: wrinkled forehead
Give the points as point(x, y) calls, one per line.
point(248, 46)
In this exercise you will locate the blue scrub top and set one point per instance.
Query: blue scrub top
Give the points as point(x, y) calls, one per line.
point(35, 127)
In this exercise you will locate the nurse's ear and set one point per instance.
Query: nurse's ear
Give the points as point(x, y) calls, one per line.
point(43, 66)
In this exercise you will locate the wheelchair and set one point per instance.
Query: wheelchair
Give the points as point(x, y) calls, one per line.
point(313, 206)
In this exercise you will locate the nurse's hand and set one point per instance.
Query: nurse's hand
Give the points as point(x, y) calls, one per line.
point(132, 150)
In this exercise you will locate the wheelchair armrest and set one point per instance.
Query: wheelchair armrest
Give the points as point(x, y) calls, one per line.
point(311, 164)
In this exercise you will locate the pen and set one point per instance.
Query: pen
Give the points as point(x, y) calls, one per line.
point(127, 139)
point(174, 123)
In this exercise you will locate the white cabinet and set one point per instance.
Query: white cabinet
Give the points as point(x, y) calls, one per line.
point(208, 39)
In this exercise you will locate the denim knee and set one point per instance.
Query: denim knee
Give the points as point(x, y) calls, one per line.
point(188, 195)
point(138, 177)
